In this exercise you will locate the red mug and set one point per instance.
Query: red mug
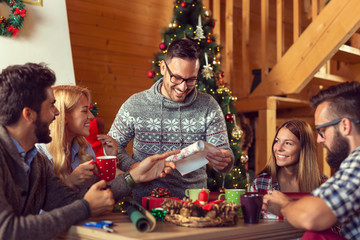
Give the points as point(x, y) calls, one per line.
point(106, 167)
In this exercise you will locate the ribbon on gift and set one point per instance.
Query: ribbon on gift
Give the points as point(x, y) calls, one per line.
point(160, 192)
point(209, 205)
point(158, 213)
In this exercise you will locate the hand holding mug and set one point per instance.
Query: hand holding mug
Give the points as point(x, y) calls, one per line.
point(106, 167)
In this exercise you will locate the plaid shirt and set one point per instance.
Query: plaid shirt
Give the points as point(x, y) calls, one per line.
point(342, 194)
point(262, 183)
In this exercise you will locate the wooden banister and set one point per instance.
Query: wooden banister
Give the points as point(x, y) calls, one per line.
point(318, 43)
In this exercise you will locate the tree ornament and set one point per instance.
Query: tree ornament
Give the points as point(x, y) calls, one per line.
point(207, 13)
point(207, 70)
point(9, 27)
point(208, 40)
point(151, 74)
point(236, 132)
point(221, 89)
point(183, 4)
point(222, 74)
point(220, 80)
point(162, 46)
point(244, 158)
point(175, 24)
point(199, 33)
point(229, 117)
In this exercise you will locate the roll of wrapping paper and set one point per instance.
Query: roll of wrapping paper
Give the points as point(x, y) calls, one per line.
point(141, 223)
point(192, 157)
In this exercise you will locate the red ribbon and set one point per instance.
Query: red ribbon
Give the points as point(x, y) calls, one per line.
point(209, 205)
point(160, 192)
point(21, 12)
point(13, 30)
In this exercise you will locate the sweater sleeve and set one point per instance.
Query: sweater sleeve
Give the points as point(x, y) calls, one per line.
point(216, 131)
point(123, 131)
point(120, 187)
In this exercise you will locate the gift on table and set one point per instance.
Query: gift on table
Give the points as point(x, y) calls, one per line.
point(156, 199)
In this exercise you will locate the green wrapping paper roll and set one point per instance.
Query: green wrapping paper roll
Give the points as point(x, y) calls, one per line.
point(140, 221)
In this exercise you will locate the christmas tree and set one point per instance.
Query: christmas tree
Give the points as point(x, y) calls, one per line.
point(193, 21)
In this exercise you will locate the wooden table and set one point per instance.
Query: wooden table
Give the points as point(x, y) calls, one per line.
point(125, 229)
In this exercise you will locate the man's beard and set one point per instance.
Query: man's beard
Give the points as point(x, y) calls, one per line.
point(42, 131)
point(340, 149)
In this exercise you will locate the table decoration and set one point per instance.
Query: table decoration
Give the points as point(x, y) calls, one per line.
point(194, 214)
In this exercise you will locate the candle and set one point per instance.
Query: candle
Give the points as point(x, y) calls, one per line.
point(203, 197)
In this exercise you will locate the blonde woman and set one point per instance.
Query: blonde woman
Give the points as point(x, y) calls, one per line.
point(69, 153)
point(293, 166)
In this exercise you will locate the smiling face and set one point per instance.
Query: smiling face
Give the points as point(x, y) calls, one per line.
point(181, 68)
point(48, 112)
point(78, 119)
point(286, 148)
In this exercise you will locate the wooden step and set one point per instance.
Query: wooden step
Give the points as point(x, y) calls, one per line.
point(327, 80)
point(272, 102)
point(347, 54)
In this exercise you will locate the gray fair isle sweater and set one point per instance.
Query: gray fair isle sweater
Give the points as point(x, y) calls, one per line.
point(157, 125)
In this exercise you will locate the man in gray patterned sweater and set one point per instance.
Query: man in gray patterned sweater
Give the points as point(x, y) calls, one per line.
point(172, 114)
point(27, 183)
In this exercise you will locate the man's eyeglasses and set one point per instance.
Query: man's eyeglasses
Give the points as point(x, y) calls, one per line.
point(321, 128)
point(176, 79)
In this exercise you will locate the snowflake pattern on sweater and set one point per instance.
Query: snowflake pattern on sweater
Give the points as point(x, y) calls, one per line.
point(157, 125)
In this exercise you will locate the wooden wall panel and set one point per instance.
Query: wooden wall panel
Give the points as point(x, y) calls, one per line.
point(113, 43)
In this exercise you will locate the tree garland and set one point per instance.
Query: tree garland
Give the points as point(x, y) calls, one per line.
point(9, 27)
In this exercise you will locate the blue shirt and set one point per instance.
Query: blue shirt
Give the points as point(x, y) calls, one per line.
point(75, 162)
point(28, 157)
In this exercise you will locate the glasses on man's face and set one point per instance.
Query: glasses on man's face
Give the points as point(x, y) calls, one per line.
point(176, 79)
point(321, 128)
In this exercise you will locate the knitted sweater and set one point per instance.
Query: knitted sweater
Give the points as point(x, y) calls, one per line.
point(157, 124)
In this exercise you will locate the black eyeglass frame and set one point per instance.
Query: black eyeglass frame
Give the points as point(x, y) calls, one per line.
point(332, 123)
point(189, 84)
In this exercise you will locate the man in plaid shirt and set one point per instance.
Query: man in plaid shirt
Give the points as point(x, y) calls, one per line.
point(337, 201)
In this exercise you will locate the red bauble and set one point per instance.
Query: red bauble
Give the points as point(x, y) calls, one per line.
point(151, 74)
point(162, 46)
point(221, 82)
point(222, 74)
point(229, 117)
point(208, 40)
point(183, 5)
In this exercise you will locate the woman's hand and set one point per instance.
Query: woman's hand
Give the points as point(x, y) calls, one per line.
point(109, 144)
point(82, 174)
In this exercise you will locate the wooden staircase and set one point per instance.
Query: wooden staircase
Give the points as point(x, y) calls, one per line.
point(312, 62)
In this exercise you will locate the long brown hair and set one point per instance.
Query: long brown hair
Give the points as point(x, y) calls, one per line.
point(308, 173)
